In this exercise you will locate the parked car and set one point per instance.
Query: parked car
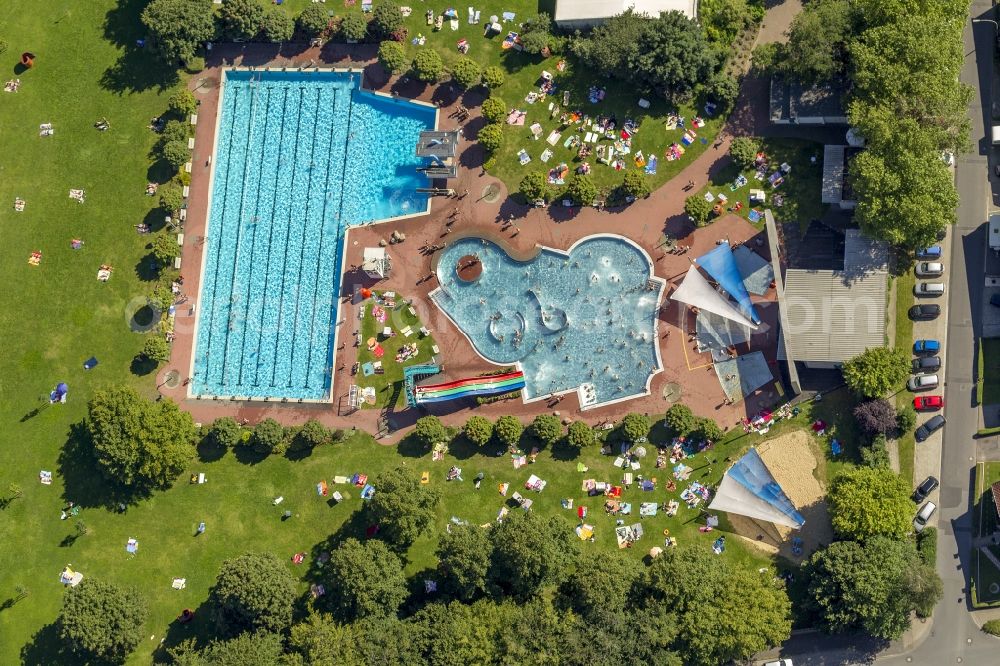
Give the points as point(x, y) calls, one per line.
point(921, 347)
point(932, 252)
point(924, 515)
point(925, 488)
point(995, 300)
point(933, 424)
point(928, 403)
point(922, 382)
point(929, 269)
point(922, 366)
point(929, 289)
point(780, 662)
point(925, 311)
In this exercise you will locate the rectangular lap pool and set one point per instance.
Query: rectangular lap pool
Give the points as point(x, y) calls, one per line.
point(299, 157)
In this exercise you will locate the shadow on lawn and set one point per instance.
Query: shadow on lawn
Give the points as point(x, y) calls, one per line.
point(83, 482)
point(137, 68)
point(201, 629)
point(46, 647)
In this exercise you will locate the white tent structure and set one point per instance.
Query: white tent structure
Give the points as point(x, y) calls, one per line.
point(748, 489)
point(697, 292)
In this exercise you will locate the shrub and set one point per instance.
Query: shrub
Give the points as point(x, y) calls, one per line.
point(906, 418)
point(156, 349)
point(679, 420)
point(708, 430)
point(547, 429)
point(580, 435)
point(534, 187)
point(466, 73)
point(508, 430)
point(536, 33)
point(392, 57)
point(493, 77)
point(268, 437)
point(635, 427)
point(744, 151)
point(310, 435)
point(164, 248)
point(876, 417)
point(225, 432)
point(171, 196)
point(491, 137)
point(581, 189)
point(428, 66)
point(194, 65)
point(766, 58)
point(313, 20)
point(489, 163)
point(494, 110)
point(698, 209)
point(478, 430)
point(723, 90)
point(277, 25)
point(429, 431)
point(927, 546)
point(634, 184)
point(992, 627)
point(386, 18)
point(354, 27)
point(162, 297)
point(175, 153)
point(876, 454)
point(182, 104)
point(174, 130)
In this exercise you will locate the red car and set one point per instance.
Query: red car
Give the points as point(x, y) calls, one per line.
point(928, 403)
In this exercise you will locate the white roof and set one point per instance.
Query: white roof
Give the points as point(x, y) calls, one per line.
point(582, 10)
point(697, 292)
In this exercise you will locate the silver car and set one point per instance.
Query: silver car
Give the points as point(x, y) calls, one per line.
point(929, 269)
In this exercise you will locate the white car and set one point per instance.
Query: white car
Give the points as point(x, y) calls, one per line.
point(928, 289)
point(780, 662)
point(929, 269)
point(924, 515)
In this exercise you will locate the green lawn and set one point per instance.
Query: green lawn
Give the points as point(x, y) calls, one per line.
point(389, 385)
point(991, 371)
point(904, 340)
point(800, 193)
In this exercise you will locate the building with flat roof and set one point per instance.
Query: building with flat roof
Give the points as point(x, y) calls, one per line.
point(583, 14)
point(793, 103)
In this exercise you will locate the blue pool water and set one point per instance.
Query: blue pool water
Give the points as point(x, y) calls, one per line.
point(586, 317)
point(299, 157)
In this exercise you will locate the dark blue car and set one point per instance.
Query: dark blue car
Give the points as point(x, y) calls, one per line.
point(926, 347)
point(932, 252)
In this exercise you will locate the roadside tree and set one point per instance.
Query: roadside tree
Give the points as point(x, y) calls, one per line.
point(876, 371)
point(867, 502)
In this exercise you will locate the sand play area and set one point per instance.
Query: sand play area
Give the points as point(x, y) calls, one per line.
point(791, 460)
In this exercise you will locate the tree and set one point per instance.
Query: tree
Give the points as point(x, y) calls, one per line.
point(164, 249)
point(634, 185)
point(181, 105)
point(253, 592)
point(876, 371)
point(766, 58)
point(724, 19)
point(241, 20)
point(533, 186)
point(156, 349)
point(457, 633)
point(176, 153)
point(876, 454)
point(478, 430)
point(177, 130)
point(102, 621)
point(494, 110)
point(178, 27)
point(386, 18)
point(277, 25)
point(171, 197)
point(402, 507)
point(635, 427)
point(365, 580)
point(536, 32)
point(871, 586)
point(818, 41)
point(679, 420)
point(743, 150)
point(466, 72)
point(580, 435)
point(581, 189)
point(707, 430)
point(723, 90)
point(491, 137)
point(313, 21)
point(600, 584)
point(530, 551)
point(392, 56)
point(268, 437)
point(906, 418)
point(464, 560)
point(866, 502)
point(257, 649)
point(429, 431)
point(354, 27)
point(698, 209)
point(876, 416)
point(508, 430)
point(312, 434)
point(751, 611)
point(225, 432)
point(428, 66)
point(547, 429)
point(138, 444)
point(493, 77)
point(320, 640)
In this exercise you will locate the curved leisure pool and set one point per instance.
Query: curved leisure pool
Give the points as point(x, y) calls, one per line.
point(586, 317)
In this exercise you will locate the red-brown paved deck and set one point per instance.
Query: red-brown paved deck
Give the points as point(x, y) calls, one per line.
point(522, 228)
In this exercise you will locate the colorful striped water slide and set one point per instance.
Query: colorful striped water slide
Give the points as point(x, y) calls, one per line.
point(460, 388)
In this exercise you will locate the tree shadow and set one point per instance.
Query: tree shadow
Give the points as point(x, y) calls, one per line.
point(137, 68)
point(201, 628)
point(248, 456)
point(463, 448)
point(299, 453)
point(143, 365)
point(562, 450)
point(159, 171)
point(411, 447)
point(209, 451)
point(46, 648)
point(446, 94)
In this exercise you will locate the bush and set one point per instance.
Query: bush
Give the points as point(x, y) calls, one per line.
point(428, 66)
point(927, 546)
point(194, 65)
point(156, 349)
point(876, 371)
point(225, 432)
point(876, 416)
point(635, 427)
point(766, 58)
point(534, 187)
point(876, 454)
point(634, 184)
point(494, 110)
point(386, 18)
point(698, 209)
point(174, 130)
point(165, 249)
point(581, 189)
point(744, 151)
point(310, 435)
point(277, 25)
point(175, 153)
point(906, 419)
point(354, 27)
point(679, 420)
point(171, 197)
point(392, 57)
point(547, 429)
point(491, 137)
point(536, 33)
point(723, 90)
point(508, 430)
point(489, 163)
point(268, 437)
point(182, 104)
point(493, 77)
point(162, 297)
point(466, 73)
point(430, 431)
point(708, 430)
point(580, 435)
point(992, 627)
point(313, 20)
point(478, 430)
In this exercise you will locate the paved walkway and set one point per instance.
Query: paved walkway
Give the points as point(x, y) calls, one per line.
point(777, 19)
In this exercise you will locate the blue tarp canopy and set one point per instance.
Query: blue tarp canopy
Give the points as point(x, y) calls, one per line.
point(748, 489)
point(721, 265)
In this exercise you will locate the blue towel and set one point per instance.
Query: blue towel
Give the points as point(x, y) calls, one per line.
point(90, 363)
point(835, 447)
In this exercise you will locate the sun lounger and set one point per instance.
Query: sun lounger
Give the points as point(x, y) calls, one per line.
point(476, 18)
point(472, 16)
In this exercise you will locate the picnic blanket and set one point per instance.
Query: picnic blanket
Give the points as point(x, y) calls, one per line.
point(626, 535)
point(585, 532)
point(648, 509)
point(523, 156)
point(651, 166)
point(535, 483)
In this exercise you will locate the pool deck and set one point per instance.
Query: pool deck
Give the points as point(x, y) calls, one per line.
point(518, 227)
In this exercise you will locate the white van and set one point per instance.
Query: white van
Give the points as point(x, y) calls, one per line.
point(929, 289)
point(994, 238)
point(924, 515)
